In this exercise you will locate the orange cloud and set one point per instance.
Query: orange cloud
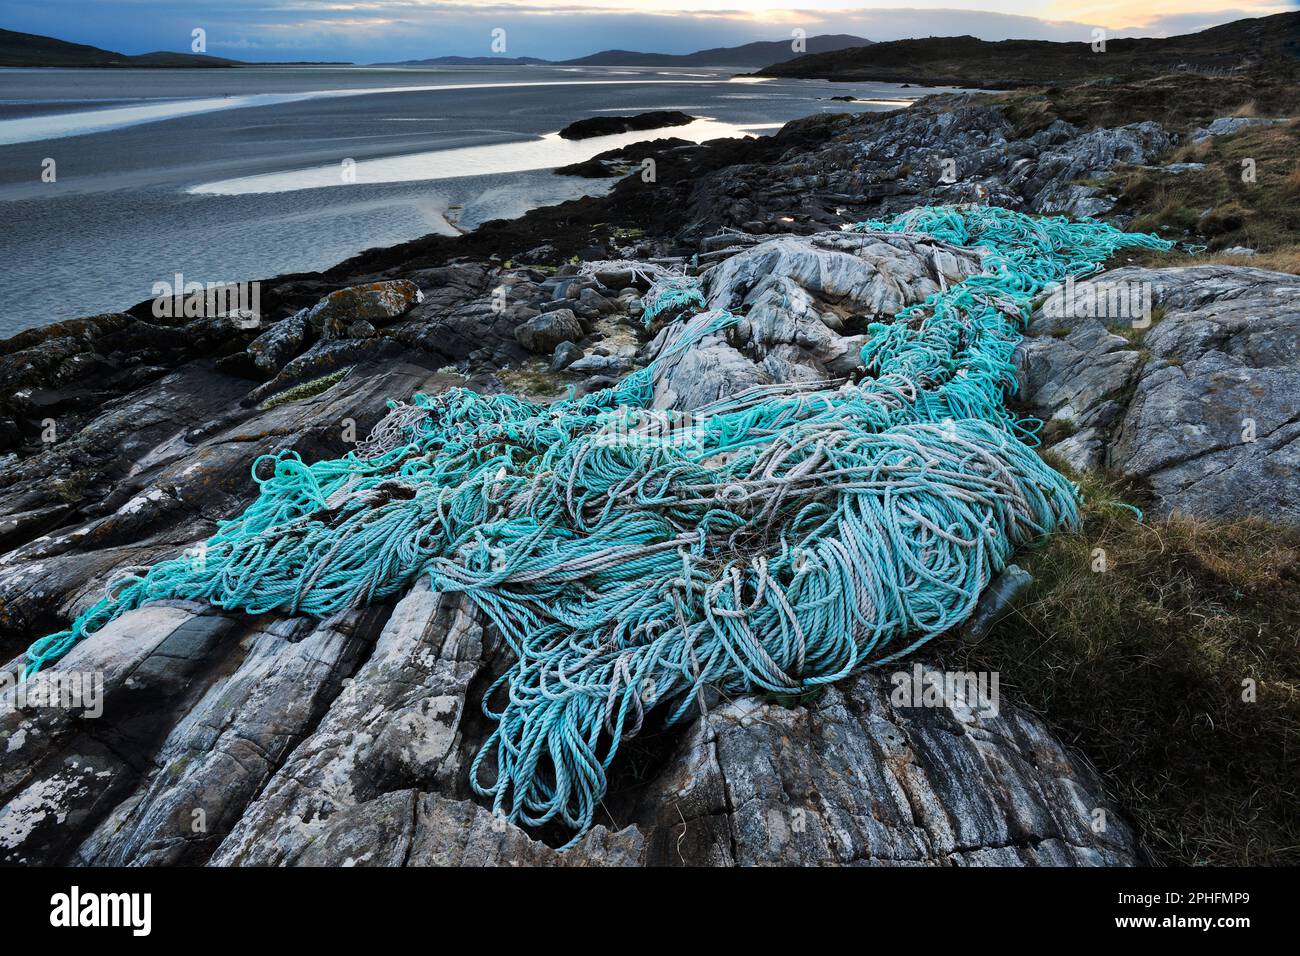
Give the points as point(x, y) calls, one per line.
point(1124, 13)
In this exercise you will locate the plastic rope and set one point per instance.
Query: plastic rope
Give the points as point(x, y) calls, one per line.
point(775, 541)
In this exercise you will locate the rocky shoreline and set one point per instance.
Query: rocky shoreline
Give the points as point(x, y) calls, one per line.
point(125, 438)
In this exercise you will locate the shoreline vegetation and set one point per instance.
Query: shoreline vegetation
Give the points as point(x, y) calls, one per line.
point(1139, 670)
point(1142, 669)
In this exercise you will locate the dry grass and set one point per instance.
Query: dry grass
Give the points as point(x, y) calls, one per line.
point(1142, 668)
point(1192, 151)
point(1180, 102)
point(1223, 205)
point(1286, 259)
point(1213, 206)
point(1292, 183)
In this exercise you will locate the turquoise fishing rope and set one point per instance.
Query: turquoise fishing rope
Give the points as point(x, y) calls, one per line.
point(789, 536)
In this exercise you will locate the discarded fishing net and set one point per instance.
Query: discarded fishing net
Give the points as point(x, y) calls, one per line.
point(776, 540)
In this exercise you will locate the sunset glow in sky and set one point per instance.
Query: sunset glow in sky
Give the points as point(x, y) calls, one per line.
point(377, 30)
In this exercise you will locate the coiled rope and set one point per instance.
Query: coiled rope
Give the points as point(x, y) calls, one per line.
point(774, 541)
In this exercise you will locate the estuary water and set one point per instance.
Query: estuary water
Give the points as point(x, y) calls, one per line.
point(112, 180)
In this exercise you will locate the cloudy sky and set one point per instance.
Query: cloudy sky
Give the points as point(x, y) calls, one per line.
point(366, 31)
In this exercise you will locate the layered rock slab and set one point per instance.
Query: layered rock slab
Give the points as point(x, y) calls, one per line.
point(806, 302)
point(1201, 399)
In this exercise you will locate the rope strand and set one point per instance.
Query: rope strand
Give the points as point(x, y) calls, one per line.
point(782, 538)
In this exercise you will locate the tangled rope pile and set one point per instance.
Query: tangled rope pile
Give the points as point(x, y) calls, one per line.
point(669, 288)
point(773, 541)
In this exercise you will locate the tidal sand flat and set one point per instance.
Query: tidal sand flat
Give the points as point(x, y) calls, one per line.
point(219, 175)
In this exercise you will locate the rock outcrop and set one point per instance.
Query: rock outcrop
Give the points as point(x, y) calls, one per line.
point(1198, 396)
point(609, 125)
point(227, 739)
point(947, 149)
point(235, 741)
point(806, 303)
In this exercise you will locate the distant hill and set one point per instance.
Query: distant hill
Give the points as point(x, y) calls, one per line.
point(30, 49)
point(761, 53)
point(471, 61)
point(756, 54)
point(166, 58)
point(1243, 45)
point(33, 50)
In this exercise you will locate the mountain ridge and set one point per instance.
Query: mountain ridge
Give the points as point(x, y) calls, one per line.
point(966, 61)
point(35, 51)
point(758, 53)
point(765, 52)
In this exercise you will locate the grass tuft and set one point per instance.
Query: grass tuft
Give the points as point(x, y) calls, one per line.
point(1245, 196)
point(1143, 667)
point(305, 389)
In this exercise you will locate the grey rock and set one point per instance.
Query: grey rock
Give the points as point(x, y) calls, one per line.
point(1076, 376)
point(556, 304)
point(595, 384)
point(542, 333)
point(221, 754)
point(612, 365)
point(565, 354)
point(869, 274)
point(796, 294)
point(327, 357)
point(1227, 125)
point(59, 770)
point(614, 277)
point(570, 287)
point(1211, 419)
point(295, 762)
point(705, 373)
point(460, 833)
point(541, 253)
point(189, 441)
point(461, 313)
point(398, 718)
point(855, 778)
point(30, 358)
point(1085, 450)
point(285, 339)
point(376, 302)
point(593, 303)
point(943, 149)
point(1052, 183)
